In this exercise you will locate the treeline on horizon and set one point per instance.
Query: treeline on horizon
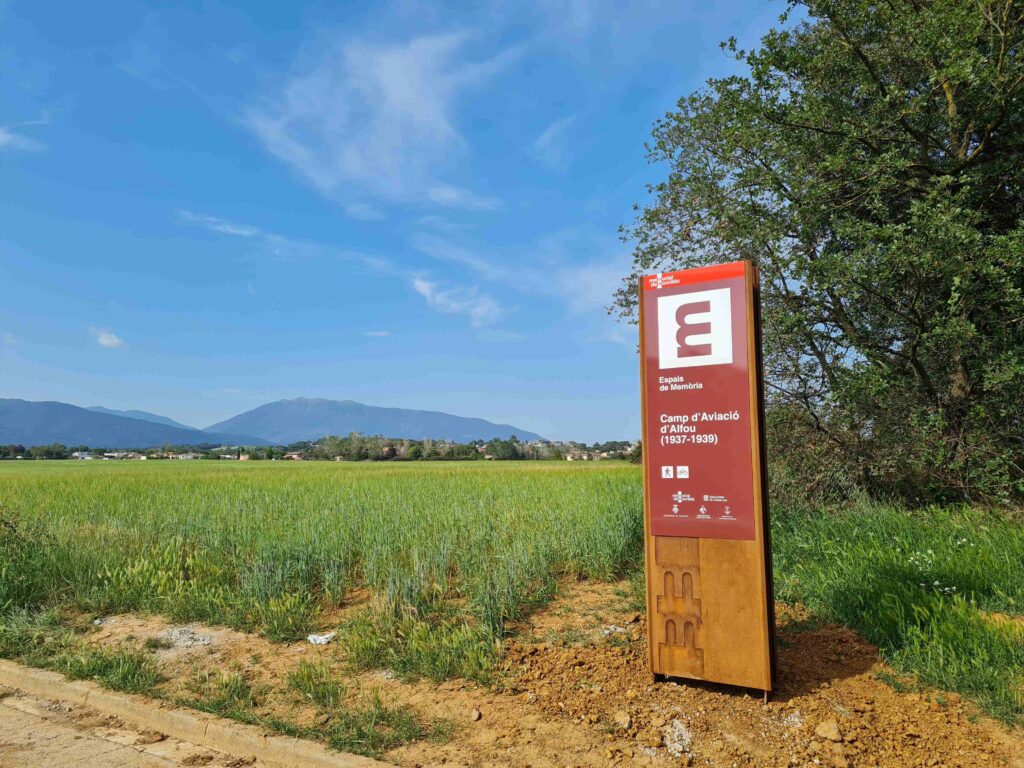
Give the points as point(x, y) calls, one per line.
point(357, 447)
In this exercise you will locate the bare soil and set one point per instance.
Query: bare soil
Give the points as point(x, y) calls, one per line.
point(577, 692)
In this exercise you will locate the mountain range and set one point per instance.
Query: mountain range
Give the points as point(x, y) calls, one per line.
point(24, 422)
point(143, 415)
point(288, 421)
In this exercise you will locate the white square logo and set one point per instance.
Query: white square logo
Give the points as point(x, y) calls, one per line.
point(683, 473)
point(695, 329)
point(666, 473)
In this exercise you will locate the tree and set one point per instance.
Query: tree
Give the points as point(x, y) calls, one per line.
point(54, 451)
point(871, 163)
point(503, 449)
point(463, 452)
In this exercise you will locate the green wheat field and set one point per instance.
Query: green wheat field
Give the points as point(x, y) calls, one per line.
point(450, 553)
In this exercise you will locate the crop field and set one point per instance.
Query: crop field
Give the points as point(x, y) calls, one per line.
point(449, 552)
point(442, 558)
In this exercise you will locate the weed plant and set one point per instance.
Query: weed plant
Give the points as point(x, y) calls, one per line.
point(365, 725)
point(372, 727)
point(224, 693)
point(121, 669)
point(315, 683)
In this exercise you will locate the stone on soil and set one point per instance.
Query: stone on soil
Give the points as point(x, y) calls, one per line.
point(829, 729)
point(677, 738)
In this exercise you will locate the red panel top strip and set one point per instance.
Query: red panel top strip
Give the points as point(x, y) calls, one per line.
point(699, 275)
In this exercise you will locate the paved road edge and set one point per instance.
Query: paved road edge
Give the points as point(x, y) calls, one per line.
point(188, 725)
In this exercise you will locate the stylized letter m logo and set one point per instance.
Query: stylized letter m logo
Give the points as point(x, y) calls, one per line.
point(695, 329)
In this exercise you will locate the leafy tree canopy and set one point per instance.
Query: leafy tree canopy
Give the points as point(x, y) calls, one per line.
point(871, 163)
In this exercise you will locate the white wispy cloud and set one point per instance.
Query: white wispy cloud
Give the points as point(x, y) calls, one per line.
point(378, 119)
point(106, 338)
point(376, 263)
point(223, 226)
point(11, 141)
point(444, 250)
point(582, 285)
point(613, 33)
point(497, 334)
point(9, 339)
point(378, 334)
point(456, 197)
point(588, 286)
point(363, 211)
point(552, 146)
point(574, 18)
point(440, 223)
point(281, 247)
point(480, 308)
point(554, 271)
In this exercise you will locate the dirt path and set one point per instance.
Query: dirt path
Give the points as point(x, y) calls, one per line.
point(35, 733)
point(577, 693)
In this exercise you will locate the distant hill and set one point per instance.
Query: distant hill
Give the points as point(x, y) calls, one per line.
point(288, 421)
point(143, 415)
point(23, 422)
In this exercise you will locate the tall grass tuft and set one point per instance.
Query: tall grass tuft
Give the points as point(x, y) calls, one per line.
point(120, 669)
point(413, 648)
point(316, 683)
point(224, 693)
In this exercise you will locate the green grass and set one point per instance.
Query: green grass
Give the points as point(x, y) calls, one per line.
point(368, 727)
point(45, 639)
point(637, 595)
point(35, 638)
point(450, 553)
point(365, 725)
point(120, 669)
point(412, 648)
point(315, 682)
point(922, 586)
point(372, 727)
point(228, 694)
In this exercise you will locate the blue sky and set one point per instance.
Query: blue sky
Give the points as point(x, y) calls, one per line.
point(208, 206)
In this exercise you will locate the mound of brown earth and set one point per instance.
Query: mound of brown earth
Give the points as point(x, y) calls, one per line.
point(831, 709)
point(577, 692)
